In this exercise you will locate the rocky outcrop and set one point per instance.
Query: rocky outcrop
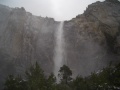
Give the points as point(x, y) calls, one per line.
point(92, 39)
point(25, 39)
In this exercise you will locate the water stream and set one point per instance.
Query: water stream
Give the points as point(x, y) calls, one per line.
point(59, 49)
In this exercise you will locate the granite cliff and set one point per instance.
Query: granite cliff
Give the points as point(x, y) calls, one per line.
point(92, 39)
point(25, 39)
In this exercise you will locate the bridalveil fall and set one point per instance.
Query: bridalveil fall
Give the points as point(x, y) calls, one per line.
point(59, 53)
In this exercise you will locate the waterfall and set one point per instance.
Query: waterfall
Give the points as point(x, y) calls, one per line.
point(59, 49)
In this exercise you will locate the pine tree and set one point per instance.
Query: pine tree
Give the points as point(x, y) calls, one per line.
point(80, 83)
point(51, 82)
point(65, 74)
point(15, 83)
point(35, 78)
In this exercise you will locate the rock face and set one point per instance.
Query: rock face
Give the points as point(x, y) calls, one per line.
point(25, 39)
point(92, 39)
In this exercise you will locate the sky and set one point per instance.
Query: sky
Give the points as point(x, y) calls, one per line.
point(58, 9)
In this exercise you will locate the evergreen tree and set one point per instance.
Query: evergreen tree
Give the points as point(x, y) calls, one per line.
point(35, 78)
point(115, 76)
point(80, 83)
point(13, 83)
point(65, 74)
point(51, 82)
point(106, 79)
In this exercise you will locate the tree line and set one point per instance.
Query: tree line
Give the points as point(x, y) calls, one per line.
point(106, 79)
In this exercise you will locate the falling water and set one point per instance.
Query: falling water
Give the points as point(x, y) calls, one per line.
point(59, 50)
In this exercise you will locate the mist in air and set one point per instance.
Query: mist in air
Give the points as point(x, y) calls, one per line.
point(58, 9)
point(59, 44)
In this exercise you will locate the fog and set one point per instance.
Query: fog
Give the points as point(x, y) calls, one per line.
point(58, 9)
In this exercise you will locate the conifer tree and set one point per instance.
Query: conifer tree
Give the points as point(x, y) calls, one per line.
point(65, 74)
point(35, 78)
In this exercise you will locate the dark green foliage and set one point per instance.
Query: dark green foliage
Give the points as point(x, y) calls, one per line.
point(106, 79)
point(115, 76)
point(36, 78)
point(14, 83)
point(80, 83)
point(62, 86)
point(65, 74)
point(51, 82)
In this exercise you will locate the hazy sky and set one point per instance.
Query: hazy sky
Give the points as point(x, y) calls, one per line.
point(58, 9)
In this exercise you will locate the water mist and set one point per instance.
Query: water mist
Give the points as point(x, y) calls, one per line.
point(59, 49)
